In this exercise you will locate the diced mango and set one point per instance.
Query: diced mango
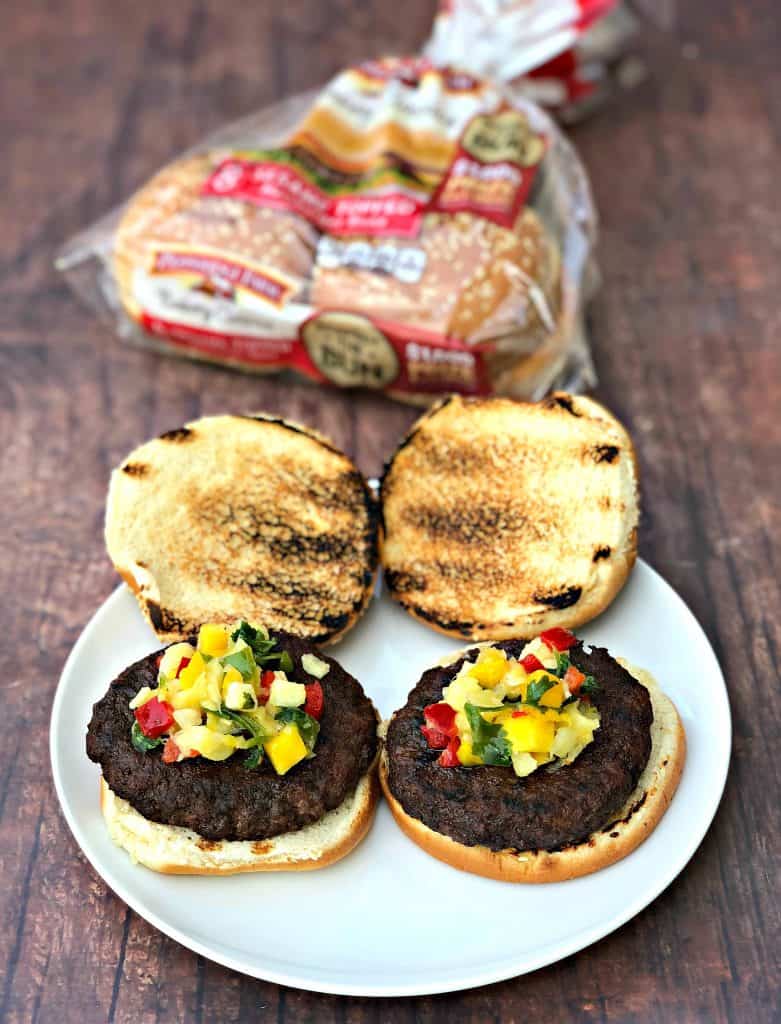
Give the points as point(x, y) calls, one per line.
point(490, 666)
point(554, 697)
point(286, 749)
point(209, 744)
point(466, 756)
point(193, 696)
point(213, 639)
point(529, 733)
point(190, 672)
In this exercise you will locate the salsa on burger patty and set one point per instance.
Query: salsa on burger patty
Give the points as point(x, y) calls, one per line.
point(520, 746)
point(242, 734)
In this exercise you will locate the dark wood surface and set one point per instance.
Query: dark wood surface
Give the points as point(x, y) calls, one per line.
point(686, 334)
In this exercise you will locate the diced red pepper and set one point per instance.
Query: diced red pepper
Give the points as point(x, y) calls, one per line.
point(573, 677)
point(449, 756)
point(558, 639)
point(519, 714)
point(266, 679)
point(182, 665)
point(154, 718)
point(441, 717)
point(436, 740)
point(170, 751)
point(314, 700)
point(532, 663)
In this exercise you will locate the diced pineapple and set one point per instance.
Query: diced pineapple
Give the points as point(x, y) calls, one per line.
point(490, 666)
point(190, 672)
point(193, 696)
point(209, 744)
point(286, 749)
point(240, 696)
point(172, 658)
point(219, 724)
point(143, 695)
point(515, 681)
point(213, 639)
point(315, 666)
point(284, 694)
point(523, 763)
point(465, 689)
point(187, 717)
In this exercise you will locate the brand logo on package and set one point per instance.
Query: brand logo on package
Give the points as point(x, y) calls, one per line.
point(493, 169)
point(221, 277)
point(282, 185)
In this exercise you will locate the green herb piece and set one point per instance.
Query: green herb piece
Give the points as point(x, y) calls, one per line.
point(243, 661)
point(262, 647)
point(307, 726)
point(247, 724)
point(562, 663)
point(537, 689)
point(488, 739)
point(141, 742)
point(253, 758)
point(589, 685)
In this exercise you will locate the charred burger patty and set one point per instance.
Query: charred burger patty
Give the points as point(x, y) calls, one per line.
point(223, 799)
point(555, 806)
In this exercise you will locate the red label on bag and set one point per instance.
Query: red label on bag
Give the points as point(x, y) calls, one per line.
point(346, 349)
point(285, 187)
point(494, 168)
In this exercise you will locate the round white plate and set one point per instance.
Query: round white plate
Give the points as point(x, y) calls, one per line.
point(381, 921)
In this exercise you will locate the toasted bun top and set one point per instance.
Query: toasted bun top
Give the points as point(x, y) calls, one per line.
point(243, 516)
point(501, 519)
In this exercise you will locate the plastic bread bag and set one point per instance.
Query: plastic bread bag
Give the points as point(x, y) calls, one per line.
point(567, 55)
point(406, 229)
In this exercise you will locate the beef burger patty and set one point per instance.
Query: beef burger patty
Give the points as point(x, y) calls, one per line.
point(554, 807)
point(223, 799)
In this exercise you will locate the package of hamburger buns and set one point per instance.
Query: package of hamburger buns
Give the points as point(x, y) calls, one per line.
point(409, 228)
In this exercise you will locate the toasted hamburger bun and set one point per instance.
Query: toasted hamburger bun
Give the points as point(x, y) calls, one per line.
point(501, 519)
point(619, 837)
point(243, 517)
point(179, 851)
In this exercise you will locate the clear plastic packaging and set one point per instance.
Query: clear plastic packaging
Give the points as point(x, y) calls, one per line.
point(567, 55)
point(408, 229)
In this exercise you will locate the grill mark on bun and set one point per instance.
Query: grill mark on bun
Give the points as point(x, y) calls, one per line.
point(605, 452)
point(603, 552)
point(565, 599)
point(178, 435)
point(476, 525)
point(561, 402)
point(135, 469)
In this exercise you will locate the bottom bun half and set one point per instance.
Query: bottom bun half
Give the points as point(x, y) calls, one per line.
point(624, 833)
point(179, 851)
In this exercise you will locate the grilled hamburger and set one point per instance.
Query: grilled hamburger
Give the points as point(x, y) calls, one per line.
point(241, 751)
point(532, 762)
point(243, 515)
point(501, 519)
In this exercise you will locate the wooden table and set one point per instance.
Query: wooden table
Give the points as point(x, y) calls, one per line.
point(96, 95)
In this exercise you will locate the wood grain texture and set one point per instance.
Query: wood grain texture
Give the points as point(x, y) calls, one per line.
point(96, 95)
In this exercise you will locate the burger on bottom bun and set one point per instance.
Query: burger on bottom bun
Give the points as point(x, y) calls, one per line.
point(532, 762)
point(239, 751)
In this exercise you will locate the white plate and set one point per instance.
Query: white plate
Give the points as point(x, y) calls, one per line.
point(382, 922)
